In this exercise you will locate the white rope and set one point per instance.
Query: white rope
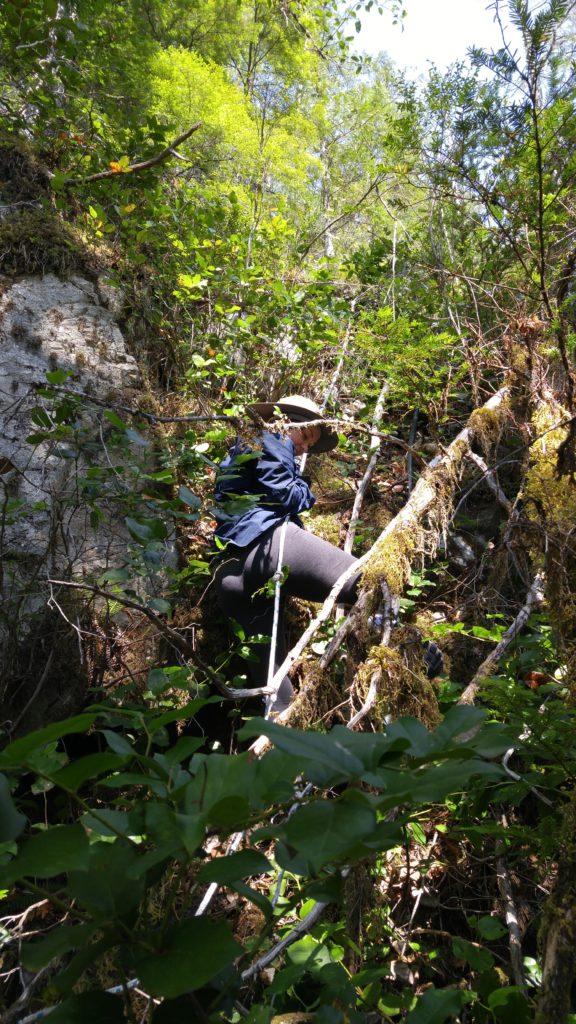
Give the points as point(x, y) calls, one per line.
point(277, 577)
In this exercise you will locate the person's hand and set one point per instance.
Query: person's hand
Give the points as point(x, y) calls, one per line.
point(433, 660)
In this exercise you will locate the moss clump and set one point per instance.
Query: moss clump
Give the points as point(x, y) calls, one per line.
point(38, 242)
point(391, 560)
point(330, 481)
point(317, 697)
point(486, 427)
point(403, 688)
point(325, 526)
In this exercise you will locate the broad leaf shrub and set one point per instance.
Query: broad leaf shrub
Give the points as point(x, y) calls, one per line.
point(129, 820)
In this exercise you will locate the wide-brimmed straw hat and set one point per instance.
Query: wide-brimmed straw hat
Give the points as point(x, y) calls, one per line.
point(298, 410)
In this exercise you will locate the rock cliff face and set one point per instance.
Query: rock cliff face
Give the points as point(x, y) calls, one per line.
point(47, 324)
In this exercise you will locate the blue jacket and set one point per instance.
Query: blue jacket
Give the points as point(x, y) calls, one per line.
point(257, 489)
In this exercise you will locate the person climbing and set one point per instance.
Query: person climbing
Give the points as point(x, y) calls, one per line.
point(257, 491)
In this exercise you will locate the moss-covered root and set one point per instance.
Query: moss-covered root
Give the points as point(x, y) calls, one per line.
point(558, 933)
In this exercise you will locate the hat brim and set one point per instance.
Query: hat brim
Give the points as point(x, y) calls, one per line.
point(328, 436)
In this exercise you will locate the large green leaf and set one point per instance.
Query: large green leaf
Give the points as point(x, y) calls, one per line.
point(109, 887)
point(15, 755)
point(107, 822)
point(35, 955)
point(329, 831)
point(192, 953)
point(327, 749)
point(234, 867)
point(436, 1006)
point(58, 849)
point(12, 822)
point(76, 774)
point(480, 959)
point(167, 827)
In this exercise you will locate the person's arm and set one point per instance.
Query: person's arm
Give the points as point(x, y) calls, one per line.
point(278, 479)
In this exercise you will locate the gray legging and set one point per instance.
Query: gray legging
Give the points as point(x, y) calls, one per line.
point(313, 564)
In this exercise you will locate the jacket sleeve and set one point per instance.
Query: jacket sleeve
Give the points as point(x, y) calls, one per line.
point(278, 479)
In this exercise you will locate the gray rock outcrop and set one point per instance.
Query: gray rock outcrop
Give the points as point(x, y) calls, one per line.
point(53, 525)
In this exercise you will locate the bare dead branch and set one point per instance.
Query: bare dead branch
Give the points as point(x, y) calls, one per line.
point(492, 481)
point(515, 938)
point(534, 597)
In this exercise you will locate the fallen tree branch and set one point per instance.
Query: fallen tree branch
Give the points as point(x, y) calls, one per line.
point(359, 428)
point(133, 168)
point(534, 597)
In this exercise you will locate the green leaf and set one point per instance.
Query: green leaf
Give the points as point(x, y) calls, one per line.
point(40, 417)
point(118, 743)
point(114, 419)
point(36, 438)
point(61, 940)
point(107, 822)
point(89, 1008)
point(16, 754)
point(192, 953)
point(57, 376)
point(12, 822)
point(58, 849)
point(76, 774)
point(147, 529)
point(328, 750)
point(188, 497)
point(158, 604)
point(166, 827)
point(329, 832)
point(234, 867)
point(157, 681)
point(109, 888)
point(479, 959)
point(180, 714)
point(436, 1006)
point(509, 1005)
point(490, 928)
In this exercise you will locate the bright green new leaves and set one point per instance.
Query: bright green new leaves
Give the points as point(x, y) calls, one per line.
point(187, 88)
